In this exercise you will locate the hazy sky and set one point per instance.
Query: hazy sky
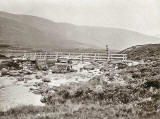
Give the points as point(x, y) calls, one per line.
point(138, 15)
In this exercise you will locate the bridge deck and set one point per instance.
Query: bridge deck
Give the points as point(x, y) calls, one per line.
point(75, 56)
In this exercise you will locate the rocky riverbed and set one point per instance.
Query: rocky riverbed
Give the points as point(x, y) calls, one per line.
point(26, 89)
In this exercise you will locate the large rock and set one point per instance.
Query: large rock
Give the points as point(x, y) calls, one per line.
point(103, 69)
point(27, 71)
point(26, 78)
point(55, 69)
point(20, 79)
point(89, 67)
point(39, 75)
point(46, 79)
point(14, 73)
point(42, 65)
point(4, 71)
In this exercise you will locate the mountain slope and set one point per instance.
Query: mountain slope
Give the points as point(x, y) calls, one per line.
point(149, 51)
point(67, 35)
point(17, 33)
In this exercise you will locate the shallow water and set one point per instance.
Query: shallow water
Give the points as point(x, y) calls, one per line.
point(12, 95)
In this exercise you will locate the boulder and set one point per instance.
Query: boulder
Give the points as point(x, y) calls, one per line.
point(43, 100)
point(27, 71)
point(26, 78)
point(37, 91)
point(4, 71)
point(14, 73)
point(6, 64)
point(42, 65)
point(46, 79)
point(98, 80)
point(40, 83)
point(55, 69)
point(20, 79)
point(39, 75)
point(89, 67)
point(103, 69)
point(98, 88)
point(32, 88)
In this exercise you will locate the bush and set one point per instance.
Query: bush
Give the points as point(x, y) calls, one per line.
point(136, 75)
point(152, 83)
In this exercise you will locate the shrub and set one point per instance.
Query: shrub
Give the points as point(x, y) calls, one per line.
point(136, 75)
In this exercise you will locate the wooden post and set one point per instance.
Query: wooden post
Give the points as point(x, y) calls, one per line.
point(45, 57)
point(107, 52)
point(24, 56)
point(82, 57)
point(69, 55)
point(110, 57)
point(95, 57)
point(35, 56)
point(123, 57)
point(57, 56)
point(98, 56)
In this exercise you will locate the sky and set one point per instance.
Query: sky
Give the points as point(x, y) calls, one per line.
point(138, 15)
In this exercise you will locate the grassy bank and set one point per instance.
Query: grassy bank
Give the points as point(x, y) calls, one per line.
point(74, 111)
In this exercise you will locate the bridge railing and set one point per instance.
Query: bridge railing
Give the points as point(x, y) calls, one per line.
point(76, 56)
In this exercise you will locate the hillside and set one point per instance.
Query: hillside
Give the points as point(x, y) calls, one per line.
point(149, 51)
point(33, 31)
point(16, 33)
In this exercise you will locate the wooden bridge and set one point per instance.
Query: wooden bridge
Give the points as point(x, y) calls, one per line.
point(75, 56)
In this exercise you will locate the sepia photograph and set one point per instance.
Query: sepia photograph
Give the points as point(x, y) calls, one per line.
point(79, 59)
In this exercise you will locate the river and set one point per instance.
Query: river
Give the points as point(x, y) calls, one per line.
point(12, 95)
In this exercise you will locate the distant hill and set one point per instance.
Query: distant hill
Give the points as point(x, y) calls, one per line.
point(149, 51)
point(31, 31)
point(17, 33)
